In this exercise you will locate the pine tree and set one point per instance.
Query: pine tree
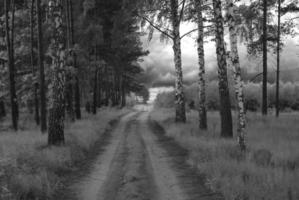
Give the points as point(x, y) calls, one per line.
point(10, 52)
point(35, 84)
point(42, 91)
point(265, 60)
point(57, 98)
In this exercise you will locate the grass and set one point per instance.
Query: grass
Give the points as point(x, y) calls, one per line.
point(29, 169)
point(227, 170)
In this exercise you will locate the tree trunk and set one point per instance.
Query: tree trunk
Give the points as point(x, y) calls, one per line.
point(10, 50)
point(99, 98)
point(42, 89)
point(70, 65)
point(95, 86)
point(95, 95)
point(123, 93)
point(57, 99)
point(265, 60)
point(278, 59)
point(225, 105)
point(35, 84)
point(179, 93)
point(201, 61)
point(2, 109)
point(77, 81)
point(235, 61)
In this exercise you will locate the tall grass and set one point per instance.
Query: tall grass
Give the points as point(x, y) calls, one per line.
point(227, 170)
point(29, 169)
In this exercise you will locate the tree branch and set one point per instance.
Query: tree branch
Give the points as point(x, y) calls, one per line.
point(182, 11)
point(191, 31)
point(256, 76)
point(156, 26)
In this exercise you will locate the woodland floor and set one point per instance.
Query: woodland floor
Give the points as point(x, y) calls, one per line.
point(139, 162)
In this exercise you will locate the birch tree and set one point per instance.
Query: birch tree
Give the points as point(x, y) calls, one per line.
point(170, 13)
point(57, 98)
point(225, 104)
point(201, 61)
point(235, 62)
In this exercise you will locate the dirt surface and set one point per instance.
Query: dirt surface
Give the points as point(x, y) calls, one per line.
point(141, 163)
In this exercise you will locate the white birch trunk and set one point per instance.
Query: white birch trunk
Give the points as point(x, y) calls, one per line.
point(201, 74)
point(235, 61)
point(179, 93)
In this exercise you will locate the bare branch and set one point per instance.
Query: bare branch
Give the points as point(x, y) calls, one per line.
point(156, 26)
point(193, 30)
point(256, 76)
point(182, 11)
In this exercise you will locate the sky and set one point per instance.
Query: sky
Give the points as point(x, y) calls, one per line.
point(159, 65)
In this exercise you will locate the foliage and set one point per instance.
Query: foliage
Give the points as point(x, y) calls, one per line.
point(252, 91)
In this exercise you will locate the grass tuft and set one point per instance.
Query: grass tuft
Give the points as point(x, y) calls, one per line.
point(29, 169)
point(270, 168)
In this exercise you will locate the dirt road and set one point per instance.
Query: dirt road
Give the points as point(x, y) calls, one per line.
point(141, 163)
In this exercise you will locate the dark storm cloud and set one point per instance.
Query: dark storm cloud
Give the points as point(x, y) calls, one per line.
point(159, 65)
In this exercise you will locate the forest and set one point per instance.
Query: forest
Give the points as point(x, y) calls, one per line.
point(79, 118)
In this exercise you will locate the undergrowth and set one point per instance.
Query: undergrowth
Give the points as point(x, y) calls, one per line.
point(268, 171)
point(29, 169)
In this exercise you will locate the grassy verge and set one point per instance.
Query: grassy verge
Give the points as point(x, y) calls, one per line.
point(31, 170)
point(270, 169)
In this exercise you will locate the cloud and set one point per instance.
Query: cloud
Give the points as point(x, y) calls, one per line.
point(159, 64)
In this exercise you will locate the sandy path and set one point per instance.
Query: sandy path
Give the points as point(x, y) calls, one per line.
point(140, 164)
point(88, 187)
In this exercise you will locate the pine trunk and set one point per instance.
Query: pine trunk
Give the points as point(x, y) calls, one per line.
point(179, 93)
point(10, 50)
point(265, 60)
point(123, 94)
point(225, 105)
point(278, 58)
point(235, 61)
point(35, 84)
point(201, 74)
point(56, 111)
point(95, 94)
point(70, 66)
point(42, 90)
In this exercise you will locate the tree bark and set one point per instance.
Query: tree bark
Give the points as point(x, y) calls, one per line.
point(70, 65)
point(10, 50)
point(179, 93)
point(42, 89)
point(35, 84)
point(77, 80)
point(123, 93)
point(225, 105)
point(57, 99)
point(201, 74)
point(95, 93)
point(265, 60)
point(278, 59)
point(235, 61)
point(95, 86)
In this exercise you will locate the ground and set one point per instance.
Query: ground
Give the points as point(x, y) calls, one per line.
point(140, 162)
